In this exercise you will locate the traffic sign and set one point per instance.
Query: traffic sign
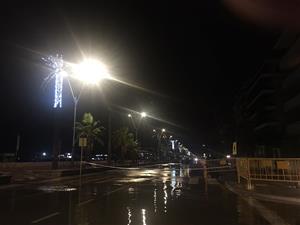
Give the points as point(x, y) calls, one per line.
point(82, 142)
point(234, 148)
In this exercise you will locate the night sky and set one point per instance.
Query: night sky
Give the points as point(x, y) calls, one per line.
point(192, 59)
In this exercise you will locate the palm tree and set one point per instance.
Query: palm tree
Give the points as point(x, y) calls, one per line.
point(90, 129)
point(124, 141)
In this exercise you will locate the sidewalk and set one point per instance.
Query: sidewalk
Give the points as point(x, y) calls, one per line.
point(266, 191)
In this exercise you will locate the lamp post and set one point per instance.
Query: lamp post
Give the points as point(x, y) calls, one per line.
point(135, 125)
point(89, 72)
point(159, 134)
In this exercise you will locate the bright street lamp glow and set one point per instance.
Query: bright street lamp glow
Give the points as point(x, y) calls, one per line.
point(91, 71)
point(154, 130)
point(143, 114)
point(228, 156)
point(129, 115)
point(44, 154)
point(163, 130)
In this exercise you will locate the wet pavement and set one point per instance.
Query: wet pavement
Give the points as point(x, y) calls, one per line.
point(146, 196)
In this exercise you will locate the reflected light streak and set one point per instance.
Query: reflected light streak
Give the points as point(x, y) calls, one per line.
point(129, 216)
point(144, 216)
point(181, 172)
point(165, 196)
point(155, 200)
point(173, 181)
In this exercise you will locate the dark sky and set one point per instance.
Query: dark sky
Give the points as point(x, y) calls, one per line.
point(191, 57)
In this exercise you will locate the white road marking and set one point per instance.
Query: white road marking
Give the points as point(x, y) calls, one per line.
point(85, 202)
point(45, 217)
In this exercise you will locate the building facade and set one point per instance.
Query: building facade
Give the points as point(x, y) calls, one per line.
point(267, 109)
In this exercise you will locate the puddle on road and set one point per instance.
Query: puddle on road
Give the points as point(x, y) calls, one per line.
point(134, 200)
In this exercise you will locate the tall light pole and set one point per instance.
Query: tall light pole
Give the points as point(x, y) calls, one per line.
point(135, 125)
point(159, 134)
point(75, 102)
point(89, 72)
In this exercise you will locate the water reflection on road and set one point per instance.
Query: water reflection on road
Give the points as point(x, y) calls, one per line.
point(163, 196)
point(146, 196)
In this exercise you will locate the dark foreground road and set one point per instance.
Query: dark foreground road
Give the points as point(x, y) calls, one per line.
point(148, 196)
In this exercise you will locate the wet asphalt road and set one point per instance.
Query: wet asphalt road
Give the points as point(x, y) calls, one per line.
point(147, 196)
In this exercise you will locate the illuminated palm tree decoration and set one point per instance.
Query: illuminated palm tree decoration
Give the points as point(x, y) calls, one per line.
point(90, 129)
point(58, 73)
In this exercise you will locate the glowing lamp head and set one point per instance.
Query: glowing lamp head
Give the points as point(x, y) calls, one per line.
point(143, 114)
point(129, 115)
point(154, 130)
point(91, 71)
point(163, 130)
point(228, 156)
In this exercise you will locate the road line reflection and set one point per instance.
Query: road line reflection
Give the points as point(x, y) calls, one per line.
point(129, 216)
point(144, 216)
point(165, 196)
point(155, 200)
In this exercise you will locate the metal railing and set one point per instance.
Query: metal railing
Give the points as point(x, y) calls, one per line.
point(268, 169)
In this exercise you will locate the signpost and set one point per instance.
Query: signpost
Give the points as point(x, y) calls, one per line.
point(82, 144)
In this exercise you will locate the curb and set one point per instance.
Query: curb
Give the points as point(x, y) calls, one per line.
point(264, 197)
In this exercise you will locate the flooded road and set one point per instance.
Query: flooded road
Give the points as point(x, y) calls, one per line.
point(146, 196)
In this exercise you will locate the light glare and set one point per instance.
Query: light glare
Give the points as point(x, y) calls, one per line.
point(143, 114)
point(91, 71)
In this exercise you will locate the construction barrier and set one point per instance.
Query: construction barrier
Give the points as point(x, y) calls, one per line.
point(268, 169)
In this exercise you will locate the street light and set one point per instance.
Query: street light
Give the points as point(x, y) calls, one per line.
point(89, 72)
point(135, 124)
point(163, 130)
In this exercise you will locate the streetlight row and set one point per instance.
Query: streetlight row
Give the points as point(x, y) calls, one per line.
point(143, 115)
point(92, 72)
